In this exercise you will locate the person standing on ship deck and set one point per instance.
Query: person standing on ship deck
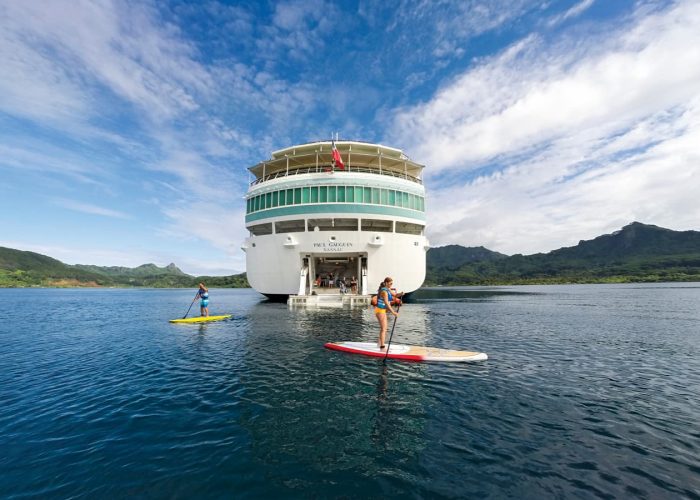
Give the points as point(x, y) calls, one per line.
point(384, 300)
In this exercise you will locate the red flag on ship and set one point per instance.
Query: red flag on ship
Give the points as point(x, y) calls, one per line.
point(336, 158)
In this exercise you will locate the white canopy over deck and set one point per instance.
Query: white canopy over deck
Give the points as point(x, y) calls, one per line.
point(357, 157)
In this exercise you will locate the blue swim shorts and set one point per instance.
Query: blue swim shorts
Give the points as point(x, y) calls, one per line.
point(204, 303)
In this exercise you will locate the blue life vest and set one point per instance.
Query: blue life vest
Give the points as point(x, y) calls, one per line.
point(380, 300)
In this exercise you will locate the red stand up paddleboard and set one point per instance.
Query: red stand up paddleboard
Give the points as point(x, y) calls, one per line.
point(407, 352)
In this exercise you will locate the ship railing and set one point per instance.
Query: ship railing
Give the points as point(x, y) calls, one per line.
point(321, 170)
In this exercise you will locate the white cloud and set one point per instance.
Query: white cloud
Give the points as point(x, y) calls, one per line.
point(77, 70)
point(564, 123)
point(53, 55)
point(530, 95)
point(561, 196)
point(23, 157)
point(89, 208)
point(583, 138)
point(298, 29)
point(217, 224)
point(444, 28)
point(117, 45)
point(574, 11)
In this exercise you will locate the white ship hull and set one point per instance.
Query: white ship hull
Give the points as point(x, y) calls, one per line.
point(374, 226)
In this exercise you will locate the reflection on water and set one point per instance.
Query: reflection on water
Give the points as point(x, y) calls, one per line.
point(328, 411)
point(461, 293)
point(588, 391)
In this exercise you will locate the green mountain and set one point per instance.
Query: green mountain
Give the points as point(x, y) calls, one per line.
point(21, 269)
point(457, 264)
point(453, 257)
point(637, 252)
point(144, 270)
point(134, 272)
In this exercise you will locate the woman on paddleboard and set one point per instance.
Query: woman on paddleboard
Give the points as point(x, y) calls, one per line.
point(203, 294)
point(384, 301)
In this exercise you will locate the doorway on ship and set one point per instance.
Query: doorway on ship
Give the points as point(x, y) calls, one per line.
point(335, 274)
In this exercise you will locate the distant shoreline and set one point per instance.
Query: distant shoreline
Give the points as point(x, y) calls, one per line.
point(582, 281)
point(118, 287)
point(637, 253)
point(609, 281)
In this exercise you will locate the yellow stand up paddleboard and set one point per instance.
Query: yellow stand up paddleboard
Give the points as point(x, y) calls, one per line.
point(201, 319)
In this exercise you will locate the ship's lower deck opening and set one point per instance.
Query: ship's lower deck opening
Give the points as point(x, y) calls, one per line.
point(339, 272)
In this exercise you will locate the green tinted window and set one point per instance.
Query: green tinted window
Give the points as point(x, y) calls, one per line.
point(384, 197)
point(268, 200)
point(304, 195)
point(314, 195)
point(392, 197)
point(282, 197)
point(290, 196)
point(331, 194)
point(375, 196)
point(297, 196)
point(404, 200)
point(421, 204)
point(275, 197)
point(341, 194)
point(350, 194)
point(257, 203)
point(358, 194)
point(367, 195)
point(323, 194)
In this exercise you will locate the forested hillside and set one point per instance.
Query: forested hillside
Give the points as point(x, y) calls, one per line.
point(20, 268)
point(638, 252)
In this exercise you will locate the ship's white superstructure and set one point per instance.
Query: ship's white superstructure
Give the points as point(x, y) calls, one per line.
point(315, 225)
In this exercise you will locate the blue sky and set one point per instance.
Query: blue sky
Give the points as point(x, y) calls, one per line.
point(126, 128)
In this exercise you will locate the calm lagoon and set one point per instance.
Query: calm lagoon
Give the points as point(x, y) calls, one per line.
point(589, 391)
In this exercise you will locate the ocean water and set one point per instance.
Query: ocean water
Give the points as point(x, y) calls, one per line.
point(589, 391)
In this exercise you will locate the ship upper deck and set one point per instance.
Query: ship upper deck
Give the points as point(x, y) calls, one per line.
point(316, 157)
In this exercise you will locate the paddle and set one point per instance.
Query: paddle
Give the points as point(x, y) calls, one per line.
point(388, 346)
point(188, 309)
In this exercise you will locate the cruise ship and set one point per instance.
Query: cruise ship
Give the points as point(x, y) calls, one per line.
point(335, 215)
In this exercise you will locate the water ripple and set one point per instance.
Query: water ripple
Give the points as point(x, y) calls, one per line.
point(588, 392)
